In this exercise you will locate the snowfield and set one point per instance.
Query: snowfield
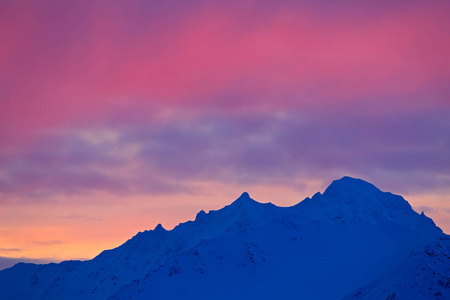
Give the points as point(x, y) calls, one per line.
point(351, 242)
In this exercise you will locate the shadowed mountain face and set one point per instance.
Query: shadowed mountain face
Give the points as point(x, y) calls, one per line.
point(352, 241)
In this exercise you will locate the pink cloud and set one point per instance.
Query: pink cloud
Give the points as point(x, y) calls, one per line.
point(96, 57)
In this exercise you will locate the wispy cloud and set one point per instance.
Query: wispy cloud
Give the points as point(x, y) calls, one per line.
point(10, 250)
point(80, 217)
point(47, 243)
point(265, 147)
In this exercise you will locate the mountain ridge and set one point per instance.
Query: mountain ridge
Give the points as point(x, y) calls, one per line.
point(342, 239)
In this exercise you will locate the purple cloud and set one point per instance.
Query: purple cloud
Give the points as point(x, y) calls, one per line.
point(406, 151)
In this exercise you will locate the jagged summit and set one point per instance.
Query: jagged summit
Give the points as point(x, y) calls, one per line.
point(244, 195)
point(200, 215)
point(244, 200)
point(326, 246)
point(159, 228)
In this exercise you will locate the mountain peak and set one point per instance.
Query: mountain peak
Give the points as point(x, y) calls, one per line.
point(356, 201)
point(348, 185)
point(159, 228)
point(244, 196)
point(200, 215)
point(243, 201)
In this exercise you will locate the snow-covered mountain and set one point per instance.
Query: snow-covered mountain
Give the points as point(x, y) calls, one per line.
point(353, 241)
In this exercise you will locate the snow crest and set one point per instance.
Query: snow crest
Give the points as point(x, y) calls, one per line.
point(347, 241)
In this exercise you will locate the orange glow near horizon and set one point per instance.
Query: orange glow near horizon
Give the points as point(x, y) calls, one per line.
point(82, 231)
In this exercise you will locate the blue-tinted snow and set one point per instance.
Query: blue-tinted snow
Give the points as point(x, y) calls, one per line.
point(348, 241)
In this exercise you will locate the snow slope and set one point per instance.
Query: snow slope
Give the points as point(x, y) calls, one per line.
point(347, 241)
point(422, 275)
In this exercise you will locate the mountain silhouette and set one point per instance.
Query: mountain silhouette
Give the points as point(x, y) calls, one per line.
point(351, 242)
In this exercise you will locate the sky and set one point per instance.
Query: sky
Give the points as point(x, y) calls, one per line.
point(119, 115)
